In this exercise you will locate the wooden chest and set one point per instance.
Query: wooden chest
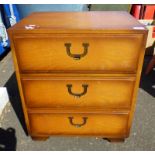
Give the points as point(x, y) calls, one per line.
point(78, 72)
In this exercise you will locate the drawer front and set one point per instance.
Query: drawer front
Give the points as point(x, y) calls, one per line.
point(109, 53)
point(78, 92)
point(80, 124)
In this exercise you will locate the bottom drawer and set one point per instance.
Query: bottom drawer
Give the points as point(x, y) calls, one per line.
point(79, 124)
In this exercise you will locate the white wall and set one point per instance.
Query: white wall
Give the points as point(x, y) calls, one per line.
point(4, 99)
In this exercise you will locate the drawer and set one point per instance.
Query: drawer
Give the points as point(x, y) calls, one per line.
point(78, 53)
point(79, 124)
point(45, 92)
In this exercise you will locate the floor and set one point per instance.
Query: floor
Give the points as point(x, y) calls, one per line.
point(13, 132)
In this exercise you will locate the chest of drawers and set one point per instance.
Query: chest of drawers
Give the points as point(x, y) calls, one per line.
point(78, 72)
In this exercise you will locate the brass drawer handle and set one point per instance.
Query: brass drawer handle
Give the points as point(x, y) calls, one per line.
point(85, 86)
point(78, 125)
point(77, 56)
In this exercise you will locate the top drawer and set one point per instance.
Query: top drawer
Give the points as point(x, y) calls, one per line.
point(78, 53)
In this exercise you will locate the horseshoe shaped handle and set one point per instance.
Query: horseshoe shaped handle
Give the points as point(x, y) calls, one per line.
point(69, 86)
point(78, 125)
point(76, 56)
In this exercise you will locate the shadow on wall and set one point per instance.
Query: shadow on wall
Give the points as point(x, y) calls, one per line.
point(15, 100)
point(8, 139)
point(147, 82)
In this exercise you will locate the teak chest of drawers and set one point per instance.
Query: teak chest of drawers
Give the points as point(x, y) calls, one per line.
point(78, 72)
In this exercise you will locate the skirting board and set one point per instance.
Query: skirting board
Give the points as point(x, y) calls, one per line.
point(4, 98)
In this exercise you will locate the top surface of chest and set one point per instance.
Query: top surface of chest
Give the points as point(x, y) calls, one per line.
point(95, 48)
point(105, 21)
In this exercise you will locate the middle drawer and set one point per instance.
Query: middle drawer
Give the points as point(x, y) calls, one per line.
point(51, 92)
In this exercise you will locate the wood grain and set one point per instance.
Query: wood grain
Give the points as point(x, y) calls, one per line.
point(111, 69)
point(66, 22)
point(107, 53)
point(96, 124)
point(101, 92)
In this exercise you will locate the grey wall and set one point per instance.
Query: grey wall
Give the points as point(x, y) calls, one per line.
point(26, 9)
point(110, 7)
